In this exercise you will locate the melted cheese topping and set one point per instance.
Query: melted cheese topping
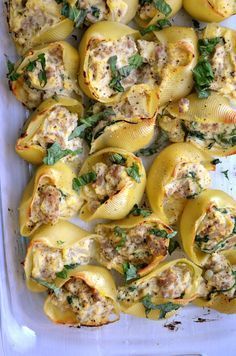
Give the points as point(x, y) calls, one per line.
point(139, 247)
point(207, 135)
point(31, 18)
point(90, 307)
point(172, 283)
point(218, 278)
point(57, 127)
point(110, 180)
point(47, 261)
point(58, 81)
point(49, 205)
point(217, 230)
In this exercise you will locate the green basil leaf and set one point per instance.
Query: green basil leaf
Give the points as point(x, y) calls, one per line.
point(160, 142)
point(62, 274)
point(137, 211)
point(95, 11)
point(135, 61)
point(83, 180)
point(163, 7)
point(117, 158)
point(48, 285)
point(112, 61)
point(173, 245)
point(130, 271)
point(133, 172)
point(118, 231)
point(160, 24)
point(216, 161)
point(162, 233)
point(12, 75)
point(69, 299)
point(115, 84)
point(163, 308)
point(72, 266)
point(206, 46)
point(55, 153)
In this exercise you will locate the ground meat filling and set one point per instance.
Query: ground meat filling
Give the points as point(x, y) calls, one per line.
point(218, 278)
point(48, 261)
point(172, 283)
point(89, 306)
point(100, 74)
point(217, 230)
point(57, 80)
point(110, 180)
point(189, 180)
point(137, 245)
point(57, 127)
point(207, 135)
point(28, 18)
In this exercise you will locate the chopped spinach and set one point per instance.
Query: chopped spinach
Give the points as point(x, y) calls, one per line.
point(133, 172)
point(130, 271)
point(137, 211)
point(83, 180)
point(163, 308)
point(55, 153)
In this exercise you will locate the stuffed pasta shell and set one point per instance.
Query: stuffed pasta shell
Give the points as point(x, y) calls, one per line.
point(44, 72)
point(110, 182)
point(209, 123)
point(53, 252)
point(47, 198)
point(217, 289)
point(87, 297)
point(34, 22)
point(114, 58)
point(210, 10)
point(150, 12)
point(136, 245)
point(179, 173)
point(208, 225)
point(46, 134)
point(129, 124)
point(163, 291)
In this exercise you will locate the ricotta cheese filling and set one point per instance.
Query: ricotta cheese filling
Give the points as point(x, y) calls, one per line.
point(90, 307)
point(48, 261)
point(172, 283)
point(50, 204)
point(217, 230)
point(138, 245)
point(102, 10)
point(207, 135)
point(218, 278)
point(57, 81)
point(57, 127)
point(154, 57)
point(110, 180)
point(31, 17)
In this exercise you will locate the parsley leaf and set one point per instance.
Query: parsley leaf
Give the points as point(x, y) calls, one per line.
point(85, 179)
point(130, 271)
point(118, 231)
point(90, 122)
point(226, 174)
point(55, 153)
point(160, 24)
point(137, 211)
point(133, 172)
point(48, 285)
point(117, 158)
point(163, 308)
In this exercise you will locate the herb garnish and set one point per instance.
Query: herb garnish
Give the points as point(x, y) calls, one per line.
point(118, 231)
point(95, 11)
point(216, 161)
point(225, 174)
point(173, 245)
point(202, 73)
point(64, 274)
point(162, 233)
point(60, 242)
point(89, 122)
point(84, 179)
point(137, 211)
point(163, 7)
point(72, 12)
point(118, 158)
point(12, 74)
point(48, 285)
point(134, 62)
point(133, 172)
point(163, 308)
point(130, 271)
point(158, 26)
point(160, 142)
point(55, 153)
